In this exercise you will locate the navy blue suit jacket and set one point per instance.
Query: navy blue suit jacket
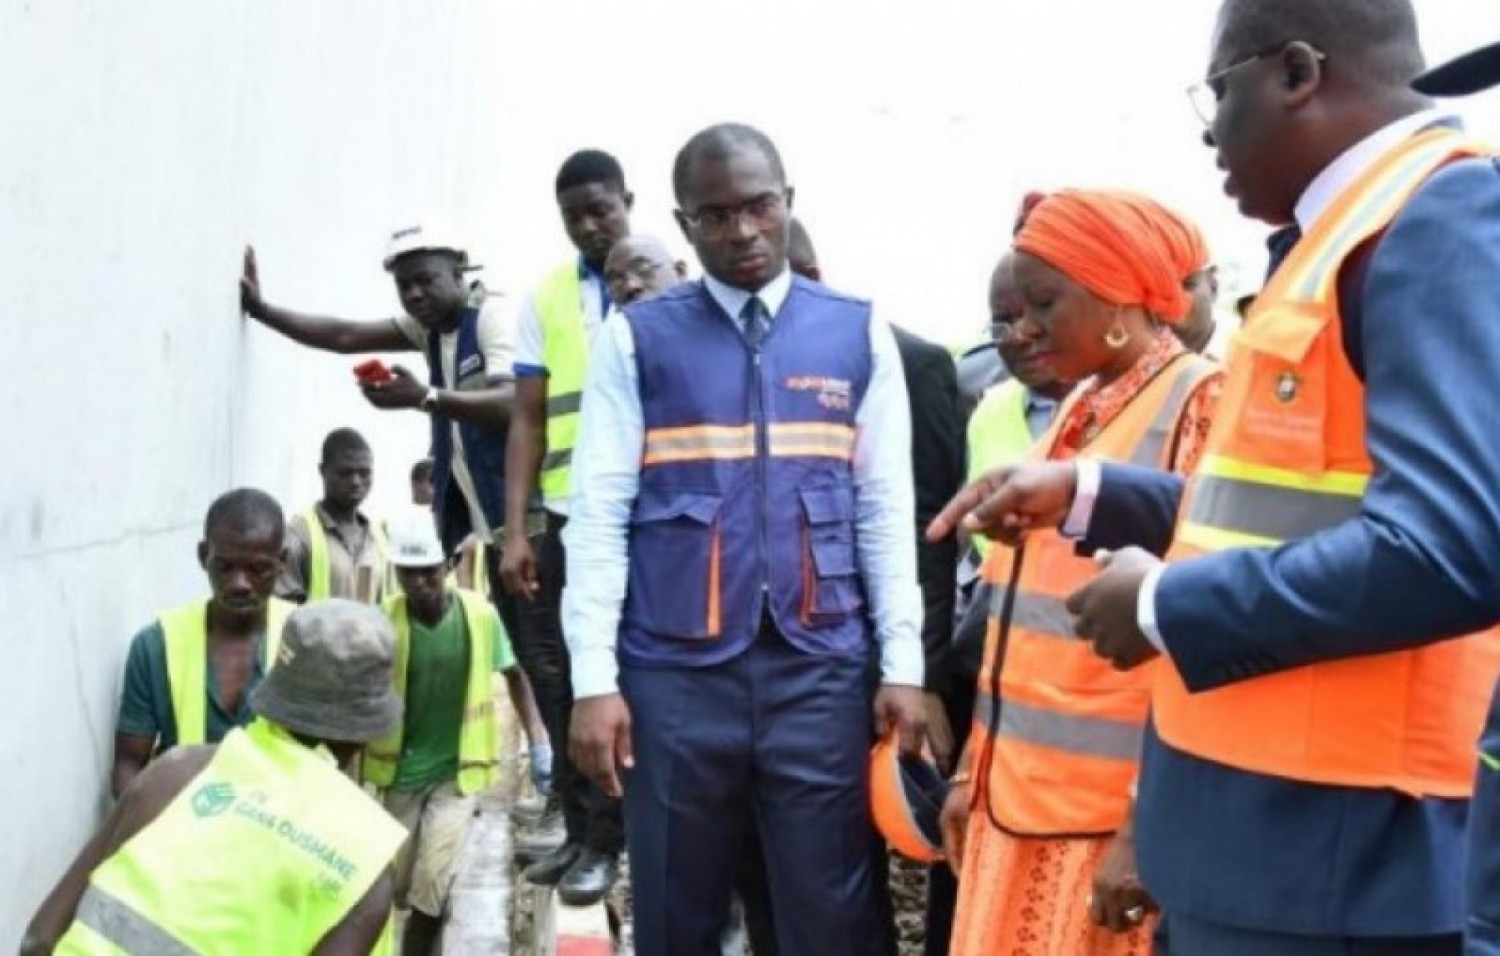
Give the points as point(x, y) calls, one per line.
point(1420, 564)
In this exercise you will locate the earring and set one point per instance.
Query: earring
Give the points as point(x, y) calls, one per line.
point(1117, 336)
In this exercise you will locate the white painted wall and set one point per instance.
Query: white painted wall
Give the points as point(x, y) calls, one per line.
point(146, 142)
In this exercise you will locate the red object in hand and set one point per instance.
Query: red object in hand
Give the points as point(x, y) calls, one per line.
point(373, 372)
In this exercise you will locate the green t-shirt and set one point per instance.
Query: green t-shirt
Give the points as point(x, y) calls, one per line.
point(146, 697)
point(437, 678)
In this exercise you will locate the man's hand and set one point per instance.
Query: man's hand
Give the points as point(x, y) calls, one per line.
point(599, 741)
point(518, 566)
point(1106, 608)
point(954, 822)
point(1119, 902)
point(1007, 503)
point(901, 709)
point(250, 301)
point(939, 733)
point(404, 390)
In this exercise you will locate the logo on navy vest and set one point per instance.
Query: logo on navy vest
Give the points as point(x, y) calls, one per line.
point(213, 799)
point(1286, 386)
point(833, 393)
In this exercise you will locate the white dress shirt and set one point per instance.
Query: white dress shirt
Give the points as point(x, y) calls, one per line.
point(606, 478)
point(1316, 200)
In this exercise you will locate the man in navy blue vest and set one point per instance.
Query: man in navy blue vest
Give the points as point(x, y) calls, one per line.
point(740, 545)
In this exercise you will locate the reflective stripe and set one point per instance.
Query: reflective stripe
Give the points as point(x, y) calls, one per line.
point(1489, 761)
point(557, 459)
point(724, 442)
point(117, 922)
point(801, 439)
point(558, 405)
point(1378, 206)
point(1162, 430)
point(1040, 614)
point(1267, 511)
point(697, 443)
point(1328, 482)
point(1073, 733)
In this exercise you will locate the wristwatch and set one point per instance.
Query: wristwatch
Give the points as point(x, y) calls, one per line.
point(429, 402)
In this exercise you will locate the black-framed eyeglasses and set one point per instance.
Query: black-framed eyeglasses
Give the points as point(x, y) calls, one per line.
point(763, 210)
point(1207, 92)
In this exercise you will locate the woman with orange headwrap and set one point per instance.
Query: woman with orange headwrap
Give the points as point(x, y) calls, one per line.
point(1037, 823)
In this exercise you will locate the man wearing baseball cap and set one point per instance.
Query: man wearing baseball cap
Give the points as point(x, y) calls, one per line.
point(257, 844)
point(432, 766)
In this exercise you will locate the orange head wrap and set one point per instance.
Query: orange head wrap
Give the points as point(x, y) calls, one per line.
point(1123, 247)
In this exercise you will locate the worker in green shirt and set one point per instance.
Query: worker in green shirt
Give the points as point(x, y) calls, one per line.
point(432, 768)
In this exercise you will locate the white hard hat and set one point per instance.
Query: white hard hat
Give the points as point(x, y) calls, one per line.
point(432, 234)
point(414, 540)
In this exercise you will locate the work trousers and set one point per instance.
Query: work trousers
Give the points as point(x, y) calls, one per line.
point(592, 819)
point(774, 739)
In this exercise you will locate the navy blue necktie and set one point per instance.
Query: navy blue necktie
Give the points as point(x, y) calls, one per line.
point(753, 319)
point(1280, 243)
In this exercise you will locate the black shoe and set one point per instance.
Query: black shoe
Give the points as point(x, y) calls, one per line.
point(589, 879)
point(552, 867)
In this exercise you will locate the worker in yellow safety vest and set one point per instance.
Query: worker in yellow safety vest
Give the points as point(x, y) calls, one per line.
point(554, 330)
point(308, 853)
point(431, 767)
point(332, 548)
point(189, 673)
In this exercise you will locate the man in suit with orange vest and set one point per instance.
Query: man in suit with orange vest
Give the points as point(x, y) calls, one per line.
point(555, 328)
point(1326, 613)
point(1471, 73)
point(742, 489)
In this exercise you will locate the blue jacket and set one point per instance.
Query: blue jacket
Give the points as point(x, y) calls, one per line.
point(484, 445)
point(1422, 324)
point(746, 497)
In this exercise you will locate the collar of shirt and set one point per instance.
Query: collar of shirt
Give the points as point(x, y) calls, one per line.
point(1355, 161)
point(732, 300)
point(587, 273)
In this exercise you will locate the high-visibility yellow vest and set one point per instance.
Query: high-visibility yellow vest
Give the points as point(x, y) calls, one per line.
point(565, 351)
point(1286, 458)
point(319, 570)
point(998, 435)
point(185, 630)
point(478, 740)
point(264, 851)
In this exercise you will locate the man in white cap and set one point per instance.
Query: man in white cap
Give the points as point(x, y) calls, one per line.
point(468, 342)
point(431, 768)
point(310, 851)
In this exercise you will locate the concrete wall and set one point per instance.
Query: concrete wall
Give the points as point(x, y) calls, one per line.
point(145, 144)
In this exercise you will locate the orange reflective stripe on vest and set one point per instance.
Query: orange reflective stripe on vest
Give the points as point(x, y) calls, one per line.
point(721, 442)
point(1287, 459)
point(1068, 732)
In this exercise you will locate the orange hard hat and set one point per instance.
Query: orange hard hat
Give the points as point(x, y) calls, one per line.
point(906, 799)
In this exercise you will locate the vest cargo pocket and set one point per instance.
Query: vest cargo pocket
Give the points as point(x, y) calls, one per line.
point(830, 577)
point(675, 580)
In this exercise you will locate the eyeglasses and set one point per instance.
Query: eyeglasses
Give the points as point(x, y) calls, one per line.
point(764, 211)
point(641, 268)
point(1207, 92)
point(1002, 333)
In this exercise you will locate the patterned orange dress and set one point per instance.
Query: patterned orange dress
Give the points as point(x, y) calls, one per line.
point(1028, 896)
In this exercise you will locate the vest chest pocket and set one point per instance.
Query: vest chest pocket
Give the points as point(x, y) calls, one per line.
point(1278, 389)
point(675, 579)
point(830, 576)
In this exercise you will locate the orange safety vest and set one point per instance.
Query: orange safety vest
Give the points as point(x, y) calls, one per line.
point(1068, 737)
point(1285, 460)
